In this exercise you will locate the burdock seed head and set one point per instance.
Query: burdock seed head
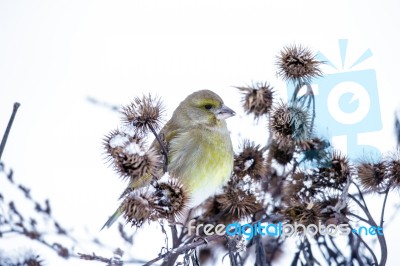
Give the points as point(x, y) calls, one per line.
point(297, 64)
point(304, 214)
point(282, 152)
point(136, 208)
point(237, 202)
point(372, 176)
point(143, 114)
point(250, 161)
point(335, 170)
point(257, 99)
point(130, 158)
point(170, 199)
point(290, 122)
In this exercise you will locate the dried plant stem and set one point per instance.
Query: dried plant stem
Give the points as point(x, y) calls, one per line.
point(384, 205)
point(381, 238)
point(7, 132)
point(368, 247)
point(163, 148)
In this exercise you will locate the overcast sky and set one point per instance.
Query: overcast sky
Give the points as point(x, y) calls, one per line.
point(56, 54)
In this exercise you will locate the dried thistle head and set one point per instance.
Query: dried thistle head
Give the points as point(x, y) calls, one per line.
point(290, 123)
point(238, 201)
point(393, 167)
point(298, 64)
point(250, 161)
point(129, 157)
point(136, 208)
point(304, 214)
point(170, 199)
point(282, 152)
point(257, 100)
point(335, 170)
point(144, 113)
point(372, 176)
point(114, 143)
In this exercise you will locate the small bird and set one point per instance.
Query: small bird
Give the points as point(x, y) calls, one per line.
point(200, 152)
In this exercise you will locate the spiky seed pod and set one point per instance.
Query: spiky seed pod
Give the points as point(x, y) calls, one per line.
point(144, 113)
point(170, 199)
point(282, 152)
point(372, 176)
point(143, 165)
point(250, 161)
point(136, 208)
point(335, 170)
point(393, 167)
point(115, 142)
point(328, 215)
point(290, 123)
point(304, 214)
point(130, 159)
point(257, 100)
point(298, 64)
point(238, 203)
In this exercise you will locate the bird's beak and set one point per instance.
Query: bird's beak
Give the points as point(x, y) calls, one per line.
point(224, 112)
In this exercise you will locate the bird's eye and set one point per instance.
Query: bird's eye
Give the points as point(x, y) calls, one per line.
point(208, 106)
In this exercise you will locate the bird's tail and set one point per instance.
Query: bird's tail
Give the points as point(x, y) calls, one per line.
point(112, 219)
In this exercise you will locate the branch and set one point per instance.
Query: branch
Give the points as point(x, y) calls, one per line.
point(183, 249)
point(7, 132)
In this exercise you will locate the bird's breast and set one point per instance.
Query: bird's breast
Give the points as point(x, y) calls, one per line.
point(202, 160)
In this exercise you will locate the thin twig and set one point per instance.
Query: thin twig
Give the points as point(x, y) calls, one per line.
point(163, 148)
point(7, 132)
point(368, 247)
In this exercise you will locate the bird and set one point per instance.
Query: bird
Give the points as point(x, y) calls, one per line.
point(199, 147)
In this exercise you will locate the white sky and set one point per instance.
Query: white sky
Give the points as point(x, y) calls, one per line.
point(54, 54)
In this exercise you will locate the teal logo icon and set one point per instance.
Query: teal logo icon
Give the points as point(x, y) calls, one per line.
point(347, 103)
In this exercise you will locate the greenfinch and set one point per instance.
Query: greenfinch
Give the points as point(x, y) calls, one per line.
point(200, 153)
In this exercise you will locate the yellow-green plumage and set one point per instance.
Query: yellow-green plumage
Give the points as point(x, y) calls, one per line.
point(200, 150)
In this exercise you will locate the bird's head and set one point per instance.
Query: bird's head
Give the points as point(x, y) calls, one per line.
point(204, 108)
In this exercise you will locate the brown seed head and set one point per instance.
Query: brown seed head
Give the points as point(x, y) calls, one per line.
point(304, 214)
point(143, 113)
point(237, 202)
point(394, 170)
point(170, 199)
point(298, 64)
point(257, 99)
point(282, 152)
point(290, 123)
point(372, 176)
point(136, 208)
point(335, 170)
point(130, 158)
point(250, 161)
